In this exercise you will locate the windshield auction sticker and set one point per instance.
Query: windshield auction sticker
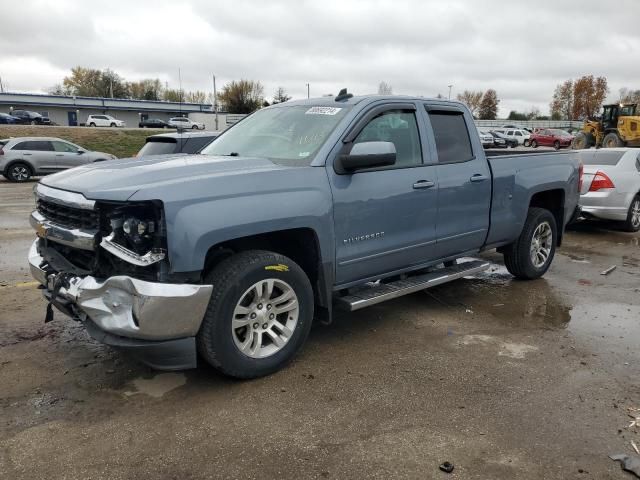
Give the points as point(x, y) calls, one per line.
point(322, 111)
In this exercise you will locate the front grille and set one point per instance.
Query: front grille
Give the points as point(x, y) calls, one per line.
point(68, 216)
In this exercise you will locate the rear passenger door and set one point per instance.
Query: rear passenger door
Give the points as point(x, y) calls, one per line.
point(464, 182)
point(38, 153)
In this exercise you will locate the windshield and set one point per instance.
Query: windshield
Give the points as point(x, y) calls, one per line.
point(285, 135)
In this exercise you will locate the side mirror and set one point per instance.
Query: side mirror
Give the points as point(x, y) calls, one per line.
point(367, 155)
point(80, 152)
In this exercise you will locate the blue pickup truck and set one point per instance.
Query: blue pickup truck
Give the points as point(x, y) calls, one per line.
point(299, 209)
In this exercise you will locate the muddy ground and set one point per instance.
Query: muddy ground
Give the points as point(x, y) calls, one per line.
point(505, 379)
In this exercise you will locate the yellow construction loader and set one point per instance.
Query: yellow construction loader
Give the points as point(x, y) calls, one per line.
point(619, 126)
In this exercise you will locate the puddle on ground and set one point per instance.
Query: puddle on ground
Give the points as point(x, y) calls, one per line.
point(505, 349)
point(159, 385)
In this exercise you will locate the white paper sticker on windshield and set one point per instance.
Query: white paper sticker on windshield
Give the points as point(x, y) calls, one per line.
point(322, 111)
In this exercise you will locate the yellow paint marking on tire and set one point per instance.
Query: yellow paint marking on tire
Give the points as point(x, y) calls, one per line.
point(278, 268)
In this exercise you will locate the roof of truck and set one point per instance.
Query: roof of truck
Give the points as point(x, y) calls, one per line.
point(330, 101)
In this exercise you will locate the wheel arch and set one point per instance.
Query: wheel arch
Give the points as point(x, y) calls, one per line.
point(552, 200)
point(20, 160)
point(302, 245)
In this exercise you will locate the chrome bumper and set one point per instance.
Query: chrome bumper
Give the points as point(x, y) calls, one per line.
point(129, 307)
point(72, 237)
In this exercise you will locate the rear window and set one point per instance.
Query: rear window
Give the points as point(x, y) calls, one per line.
point(452, 137)
point(601, 157)
point(158, 147)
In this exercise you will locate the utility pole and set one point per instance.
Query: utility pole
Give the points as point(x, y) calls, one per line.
point(308, 91)
point(215, 100)
point(1, 86)
point(180, 91)
point(450, 91)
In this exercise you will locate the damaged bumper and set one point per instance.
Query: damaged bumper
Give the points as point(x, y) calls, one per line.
point(156, 321)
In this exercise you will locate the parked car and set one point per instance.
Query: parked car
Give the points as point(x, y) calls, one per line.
point(185, 123)
point(23, 157)
point(27, 117)
point(185, 142)
point(502, 141)
point(521, 136)
point(5, 118)
point(294, 211)
point(611, 186)
point(153, 123)
point(486, 139)
point(516, 127)
point(551, 137)
point(104, 121)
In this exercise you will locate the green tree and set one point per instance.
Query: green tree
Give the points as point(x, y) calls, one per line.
point(146, 89)
point(489, 105)
point(90, 82)
point(173, 95)
point(513, 115)
point(196, 97)
point(242, 96)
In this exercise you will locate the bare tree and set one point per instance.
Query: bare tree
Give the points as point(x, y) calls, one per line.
point(489, 105)
point(385, 89)
point(280, 96)
point(471, 99)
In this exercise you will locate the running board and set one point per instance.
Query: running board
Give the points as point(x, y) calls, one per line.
point(378, 293)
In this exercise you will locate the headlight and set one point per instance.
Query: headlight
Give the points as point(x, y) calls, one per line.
point(136, 233)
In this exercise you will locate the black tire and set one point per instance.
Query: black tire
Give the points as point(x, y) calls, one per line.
point(527, 143)
point(112, 125)
point(517, 256)
point(533, 144)
point(18, 172)
point(612, 140)
point(556, 145)
point(583, 140)
point(632, 224)
point(230, 280)
point(92, 124)
point(195, 127)
point(33, 122)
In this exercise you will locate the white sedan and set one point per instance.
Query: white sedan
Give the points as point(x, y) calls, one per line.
point(185, 123)
point(611, 185)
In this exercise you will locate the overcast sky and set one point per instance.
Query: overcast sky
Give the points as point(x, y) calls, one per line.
point(520, 48)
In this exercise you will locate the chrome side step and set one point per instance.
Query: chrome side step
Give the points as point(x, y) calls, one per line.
point(378, 293)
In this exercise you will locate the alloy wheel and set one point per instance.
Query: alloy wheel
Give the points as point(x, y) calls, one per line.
point(541, 244)
point(265, 318)
point(635, 213)
point(20, 173)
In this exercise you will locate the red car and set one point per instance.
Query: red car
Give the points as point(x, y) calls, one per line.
point(551, 137)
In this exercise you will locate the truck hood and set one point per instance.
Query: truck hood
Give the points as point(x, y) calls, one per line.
point(118, 180)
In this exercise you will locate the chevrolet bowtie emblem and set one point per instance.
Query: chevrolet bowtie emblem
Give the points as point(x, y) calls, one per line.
point(41, 231)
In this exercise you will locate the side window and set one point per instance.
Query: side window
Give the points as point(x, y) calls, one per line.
point(400, 128)
point(510, 133)
point(638, 163)
point(41, 146)
point(452, 137)
point(22, 146)
point(64, 147)
point(518, 134)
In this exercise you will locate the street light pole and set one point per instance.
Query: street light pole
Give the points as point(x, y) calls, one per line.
point(450, 91)
point(215, 101)
point(308, 91)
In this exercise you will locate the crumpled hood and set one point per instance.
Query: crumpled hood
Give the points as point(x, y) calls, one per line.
point(119, 179)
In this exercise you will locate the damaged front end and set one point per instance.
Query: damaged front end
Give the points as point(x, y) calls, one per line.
point(105, 264)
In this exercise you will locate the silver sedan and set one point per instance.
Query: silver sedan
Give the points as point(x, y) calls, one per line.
point(611, 185)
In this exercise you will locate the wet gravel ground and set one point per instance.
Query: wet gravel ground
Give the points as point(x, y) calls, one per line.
point(505, 379)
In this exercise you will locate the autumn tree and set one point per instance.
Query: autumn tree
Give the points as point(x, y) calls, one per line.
point(582, 98)
point(242, 96)
point(196, 96)
point(385, 89)
point(472, 100)
point(281, 96)
point(629, 96)
point(146, 89)
point(489, 105)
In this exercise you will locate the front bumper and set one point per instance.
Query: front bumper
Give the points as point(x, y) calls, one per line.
point(130, 313)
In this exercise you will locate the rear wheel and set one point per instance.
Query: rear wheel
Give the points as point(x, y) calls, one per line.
point(534, 144)
point(531, 254)
point(612, 140)
point(632, 224)
point(526, 143)
point(19, 172)
point(259, 314)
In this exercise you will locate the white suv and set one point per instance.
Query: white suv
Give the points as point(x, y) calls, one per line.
point(522, 136)
point(184, 122)
point(104, 121)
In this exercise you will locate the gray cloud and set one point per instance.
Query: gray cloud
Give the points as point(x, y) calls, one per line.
point(522, 49)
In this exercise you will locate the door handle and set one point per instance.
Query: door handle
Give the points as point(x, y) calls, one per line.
point(26, 154)
point(423, 184)
point(59, 155)
point(478, 178)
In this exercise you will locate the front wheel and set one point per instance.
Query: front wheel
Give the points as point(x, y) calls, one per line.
point(526, 143)
point(195, 127)
point(632, 224)
point(534, 144)
point(612, 140)
point(556, 145)
point(259, 314)
point(92, 124)
point(530, 256)
point(113, 125)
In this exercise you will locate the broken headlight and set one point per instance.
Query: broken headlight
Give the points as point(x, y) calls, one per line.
point(136, 233)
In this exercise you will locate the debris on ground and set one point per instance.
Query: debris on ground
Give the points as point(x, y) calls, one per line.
point(635, 447)
point(629, 464)
point(608, 270)
point(447, 467)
